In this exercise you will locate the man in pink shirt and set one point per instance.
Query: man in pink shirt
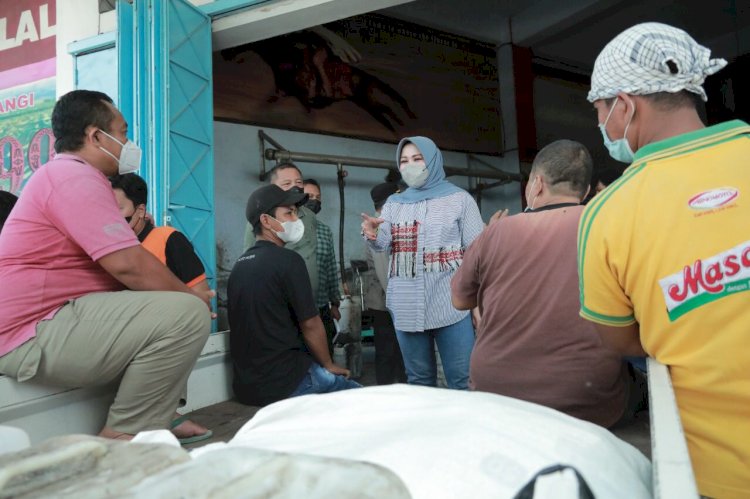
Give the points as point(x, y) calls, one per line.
point(82, 302)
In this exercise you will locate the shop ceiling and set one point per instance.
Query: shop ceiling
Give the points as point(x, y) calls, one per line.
point(570, 34)
point(564, 35)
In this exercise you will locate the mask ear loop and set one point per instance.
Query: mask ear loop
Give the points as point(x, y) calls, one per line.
point(278, 222)
point(122, 144)
point(625, 135)
point(531, 206)
point(533, 202)
point(610, 113)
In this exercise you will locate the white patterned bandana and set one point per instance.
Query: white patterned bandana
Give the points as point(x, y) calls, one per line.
point(650, 58)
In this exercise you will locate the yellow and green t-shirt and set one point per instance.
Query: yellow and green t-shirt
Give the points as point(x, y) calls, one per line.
point(668, 246)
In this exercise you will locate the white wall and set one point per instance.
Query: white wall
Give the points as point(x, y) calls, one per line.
point(77, 20)
point(237, 160)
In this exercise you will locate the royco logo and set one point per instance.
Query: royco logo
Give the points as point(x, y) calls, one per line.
point(707, 280)
point(713, 198)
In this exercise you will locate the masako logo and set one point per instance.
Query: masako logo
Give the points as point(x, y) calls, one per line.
point(713, 199)
point(707, 280)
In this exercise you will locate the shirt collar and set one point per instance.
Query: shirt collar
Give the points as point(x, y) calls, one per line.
point(694, 139)
point(553, 207)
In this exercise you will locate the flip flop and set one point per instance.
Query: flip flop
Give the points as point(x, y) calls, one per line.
point(195, 438)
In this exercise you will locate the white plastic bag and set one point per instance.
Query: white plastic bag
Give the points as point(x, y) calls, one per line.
point(448, 443)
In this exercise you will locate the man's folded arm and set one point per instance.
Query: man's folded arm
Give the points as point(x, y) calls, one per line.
point(139, 270)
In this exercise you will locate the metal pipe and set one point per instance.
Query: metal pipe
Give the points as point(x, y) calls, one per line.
point(340, 174)
point(261, 141)
point(304, 157)
point(483, 187)
point(263, 137)
point(268, 138)
point(479, 160)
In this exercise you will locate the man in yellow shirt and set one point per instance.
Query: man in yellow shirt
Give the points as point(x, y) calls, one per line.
point(664, 252)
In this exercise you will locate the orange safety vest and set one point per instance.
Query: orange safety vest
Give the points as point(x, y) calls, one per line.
point(156, 244)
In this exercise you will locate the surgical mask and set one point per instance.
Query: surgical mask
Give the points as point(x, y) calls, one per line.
point(619, 149)
point(414, 174)
point(293, 231)
point(313, 205)
point(130, 156)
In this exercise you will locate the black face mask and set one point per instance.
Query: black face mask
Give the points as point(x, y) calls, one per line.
point(297, 190)
point(313, 205)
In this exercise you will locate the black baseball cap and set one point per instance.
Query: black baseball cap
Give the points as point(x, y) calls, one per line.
point(268, 197)
point(381, 192)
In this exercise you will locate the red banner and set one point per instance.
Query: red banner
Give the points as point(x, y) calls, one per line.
point(27, 32)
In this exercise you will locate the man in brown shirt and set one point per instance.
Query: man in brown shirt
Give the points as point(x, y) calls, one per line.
point(521, 271)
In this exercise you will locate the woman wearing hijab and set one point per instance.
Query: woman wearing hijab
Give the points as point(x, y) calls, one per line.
point(426, 229)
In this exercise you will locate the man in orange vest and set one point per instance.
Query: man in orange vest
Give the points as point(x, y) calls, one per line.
point(167, 244)
point(174, 250)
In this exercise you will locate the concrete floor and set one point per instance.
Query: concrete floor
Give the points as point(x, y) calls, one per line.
point(226, 418)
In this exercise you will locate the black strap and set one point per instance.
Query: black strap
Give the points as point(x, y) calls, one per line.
point(553, 207)
point(527, 491)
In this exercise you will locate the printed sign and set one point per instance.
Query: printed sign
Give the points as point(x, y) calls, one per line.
point(368, 76)
point(27, 88)
point(707, 280)
point(713, 199)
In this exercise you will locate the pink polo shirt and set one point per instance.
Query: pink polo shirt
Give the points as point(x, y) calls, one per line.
point(64, 221)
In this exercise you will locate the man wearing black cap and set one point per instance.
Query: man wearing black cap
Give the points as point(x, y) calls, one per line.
point(277, 340)
point(389, 364)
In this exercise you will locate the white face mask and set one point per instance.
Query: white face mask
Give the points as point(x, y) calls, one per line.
point(293, 231)
point(619, 149)
point(130, 156)
point(414, 174)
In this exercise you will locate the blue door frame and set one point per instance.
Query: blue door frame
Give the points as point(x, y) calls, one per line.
point(166, 95)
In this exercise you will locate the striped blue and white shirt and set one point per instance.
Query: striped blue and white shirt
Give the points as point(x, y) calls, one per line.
point(426, 241)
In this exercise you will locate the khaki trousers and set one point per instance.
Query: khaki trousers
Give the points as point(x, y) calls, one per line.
point(149, 340)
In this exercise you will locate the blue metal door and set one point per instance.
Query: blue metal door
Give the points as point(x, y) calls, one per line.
point(183, 119)
point(166, 94)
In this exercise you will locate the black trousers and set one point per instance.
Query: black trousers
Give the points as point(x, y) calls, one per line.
point(389, 364)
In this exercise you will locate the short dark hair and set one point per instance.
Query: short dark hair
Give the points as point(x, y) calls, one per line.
point(670, 101)
point(565, 162)
point(258, 228)
point(311, 181)
point(133, 186)
point(381, 192)
point(74, 112)
point(274, 172)
point(7, 202)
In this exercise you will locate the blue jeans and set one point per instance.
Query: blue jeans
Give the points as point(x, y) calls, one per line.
point(320, 380)
point(454, 343)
